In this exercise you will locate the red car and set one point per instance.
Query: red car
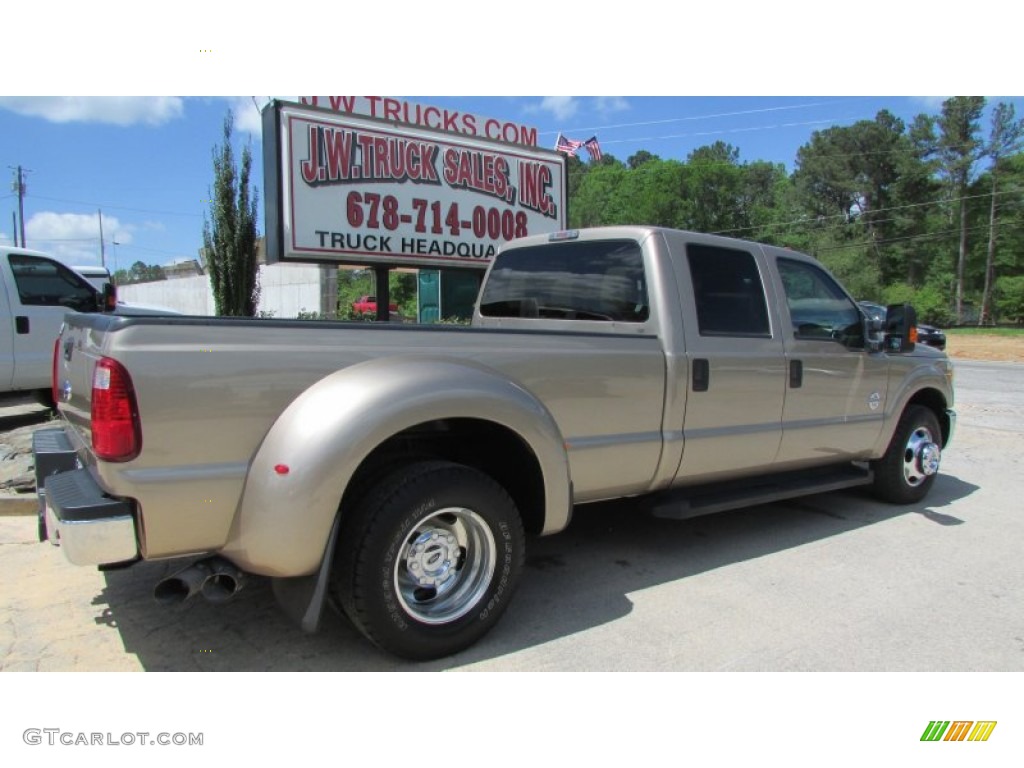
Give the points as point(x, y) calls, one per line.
point(367, 305)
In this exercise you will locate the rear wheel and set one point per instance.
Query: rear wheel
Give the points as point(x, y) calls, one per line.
point(428, 559)
point(906, 472)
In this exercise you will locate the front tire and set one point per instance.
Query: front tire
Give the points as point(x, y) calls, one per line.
point(428, 559)
point(907, 471)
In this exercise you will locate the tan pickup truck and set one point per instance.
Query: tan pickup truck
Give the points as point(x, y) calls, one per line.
point(392, 470)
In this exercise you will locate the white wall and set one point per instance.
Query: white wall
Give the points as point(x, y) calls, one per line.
point(286, 289)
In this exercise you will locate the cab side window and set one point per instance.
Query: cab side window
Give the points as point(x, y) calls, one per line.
point(818, 307)
point(41, 282)
point(728, 291)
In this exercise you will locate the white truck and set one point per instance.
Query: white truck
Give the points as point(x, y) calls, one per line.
point(36, 291)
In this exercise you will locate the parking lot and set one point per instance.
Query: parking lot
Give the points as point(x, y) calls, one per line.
point(830, 582)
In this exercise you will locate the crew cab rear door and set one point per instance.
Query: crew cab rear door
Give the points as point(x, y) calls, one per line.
point(736, 370)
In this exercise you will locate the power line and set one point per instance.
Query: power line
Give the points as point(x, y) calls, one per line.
point(817, 219)
point(725, 131)
point(117, 207)
point(1013, 224)
point(702, 117)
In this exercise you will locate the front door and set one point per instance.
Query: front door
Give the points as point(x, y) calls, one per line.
point(836, 389)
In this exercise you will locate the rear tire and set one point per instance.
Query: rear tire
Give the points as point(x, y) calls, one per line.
point(907, 471)
point(428, 559)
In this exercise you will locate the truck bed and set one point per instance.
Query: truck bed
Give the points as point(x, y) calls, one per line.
point(215, 386)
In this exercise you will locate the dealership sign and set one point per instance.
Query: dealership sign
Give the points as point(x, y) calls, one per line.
point(361, 190)
point(437, 118)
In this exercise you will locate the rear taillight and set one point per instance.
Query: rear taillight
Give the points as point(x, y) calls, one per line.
point(116, 434)
point(54, 384)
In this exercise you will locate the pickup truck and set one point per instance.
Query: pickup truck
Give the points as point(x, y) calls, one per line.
point(367, 305)
point(391, 470)
point(36, 292)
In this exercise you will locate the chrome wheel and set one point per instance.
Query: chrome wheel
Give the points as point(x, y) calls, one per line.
point(445, 566)
point(428, 558)
point(921, 457)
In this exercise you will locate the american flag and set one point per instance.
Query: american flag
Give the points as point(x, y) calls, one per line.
point(568, 146)
point(593, 148)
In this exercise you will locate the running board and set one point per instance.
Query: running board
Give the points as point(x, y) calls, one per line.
point(694, 501)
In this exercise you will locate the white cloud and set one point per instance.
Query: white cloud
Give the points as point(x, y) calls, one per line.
point(245, 110)
point(930, 102)
point(116, 110)
point(74, 238)
point(561, 107)
point(606, 105)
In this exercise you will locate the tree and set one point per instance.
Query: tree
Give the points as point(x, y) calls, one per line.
point(867, 180)
point(641, 157)
point(230, 240)
point(139, 273)
point(713, 188)
point(958, 148)
point(1010, 298)
point(1006, 137)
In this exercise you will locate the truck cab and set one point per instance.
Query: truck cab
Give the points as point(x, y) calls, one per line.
point(36, 291)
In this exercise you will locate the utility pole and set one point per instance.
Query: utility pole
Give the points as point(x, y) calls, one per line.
point(103, 258)
point(19, 187)
point(14, 227)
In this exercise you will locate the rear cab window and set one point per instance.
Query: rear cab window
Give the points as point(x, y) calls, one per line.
point(598, 280)
point(728, 292)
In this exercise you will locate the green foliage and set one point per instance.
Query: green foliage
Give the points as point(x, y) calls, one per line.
point(403, 287)
point(230, 240)
point(638, 159)
point(931, 305)
point(1010, 298)
point(1013, 333)
point(353, 283)
point(854, 270)
point(139, 273)
point(881, 202)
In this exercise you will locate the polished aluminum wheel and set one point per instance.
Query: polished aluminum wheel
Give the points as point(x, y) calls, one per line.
point(921, 457)
point(445, 566)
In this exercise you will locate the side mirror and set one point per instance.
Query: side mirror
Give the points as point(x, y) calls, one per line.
point(900, 328)
point(108, 300)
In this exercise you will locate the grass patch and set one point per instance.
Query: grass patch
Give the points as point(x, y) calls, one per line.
point(1013, 332)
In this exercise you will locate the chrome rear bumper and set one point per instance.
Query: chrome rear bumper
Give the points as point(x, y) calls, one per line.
point(74, 512)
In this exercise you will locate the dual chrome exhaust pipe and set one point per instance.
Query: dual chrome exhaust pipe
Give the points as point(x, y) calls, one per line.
point(214, 578)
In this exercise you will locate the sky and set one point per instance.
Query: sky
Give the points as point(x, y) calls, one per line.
point(145, 161)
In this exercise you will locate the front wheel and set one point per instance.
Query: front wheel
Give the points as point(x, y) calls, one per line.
point(906, 472)
point(428, 559)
